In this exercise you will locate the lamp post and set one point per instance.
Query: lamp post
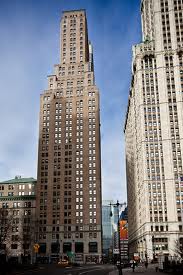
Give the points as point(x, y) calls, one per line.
point(36, 245)
point(153, 248)
point(117, 204)
point(58, 248)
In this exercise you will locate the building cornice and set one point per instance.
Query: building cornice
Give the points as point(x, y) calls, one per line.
point(17, 198)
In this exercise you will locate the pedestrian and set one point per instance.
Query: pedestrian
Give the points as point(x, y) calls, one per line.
point(133, 266)
point(146, 264)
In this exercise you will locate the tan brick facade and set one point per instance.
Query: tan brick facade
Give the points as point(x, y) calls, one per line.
point(69, 176)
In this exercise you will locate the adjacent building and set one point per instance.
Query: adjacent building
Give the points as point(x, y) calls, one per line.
point(154, 132)
point(110, 233)
point(69, 163)
point(109, 226)
point(17, 217)
point(124, 235)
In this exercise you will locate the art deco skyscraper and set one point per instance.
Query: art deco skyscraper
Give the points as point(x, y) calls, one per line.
point(154, 132)
point(69, 172)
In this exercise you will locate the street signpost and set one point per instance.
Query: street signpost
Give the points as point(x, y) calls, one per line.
point(71, 255)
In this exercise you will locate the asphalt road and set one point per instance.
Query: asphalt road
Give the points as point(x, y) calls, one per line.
point(54, 270)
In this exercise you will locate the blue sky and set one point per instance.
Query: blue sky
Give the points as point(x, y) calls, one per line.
point(29, 48)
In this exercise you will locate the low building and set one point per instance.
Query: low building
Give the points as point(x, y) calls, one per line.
point(17, 218)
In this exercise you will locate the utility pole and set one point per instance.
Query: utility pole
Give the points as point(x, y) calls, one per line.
point(117, 204)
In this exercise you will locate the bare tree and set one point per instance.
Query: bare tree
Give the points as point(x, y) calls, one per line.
point(6, 223)
point(28, 234)
point(18, 229)
point(178, 248)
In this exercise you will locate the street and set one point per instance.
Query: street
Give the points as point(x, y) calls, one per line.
point(87, 269)
point(55, 270)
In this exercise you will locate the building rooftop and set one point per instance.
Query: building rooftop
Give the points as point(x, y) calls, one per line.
point(18, 179)
point(71, 11)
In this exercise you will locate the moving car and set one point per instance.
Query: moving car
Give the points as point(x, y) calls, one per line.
point(63, 263)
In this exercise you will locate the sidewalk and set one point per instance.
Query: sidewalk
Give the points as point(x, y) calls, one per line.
point(115, 272)
point(140, 269)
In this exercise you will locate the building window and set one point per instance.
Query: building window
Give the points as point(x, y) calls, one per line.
point(93, 247)
point(14, 246)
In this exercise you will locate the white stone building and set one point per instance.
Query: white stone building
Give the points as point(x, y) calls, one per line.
point(154, 132)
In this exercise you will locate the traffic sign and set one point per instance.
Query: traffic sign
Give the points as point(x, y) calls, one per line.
point(36, 247)
point(116, 251)
point(70, 254)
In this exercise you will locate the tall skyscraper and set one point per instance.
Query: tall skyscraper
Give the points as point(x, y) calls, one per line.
point(154, 132)
point(69, 162)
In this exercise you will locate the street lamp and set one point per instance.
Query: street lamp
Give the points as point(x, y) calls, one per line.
point(36, 246)
point(153, 248)
point(117, 204)
point(58, 248)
